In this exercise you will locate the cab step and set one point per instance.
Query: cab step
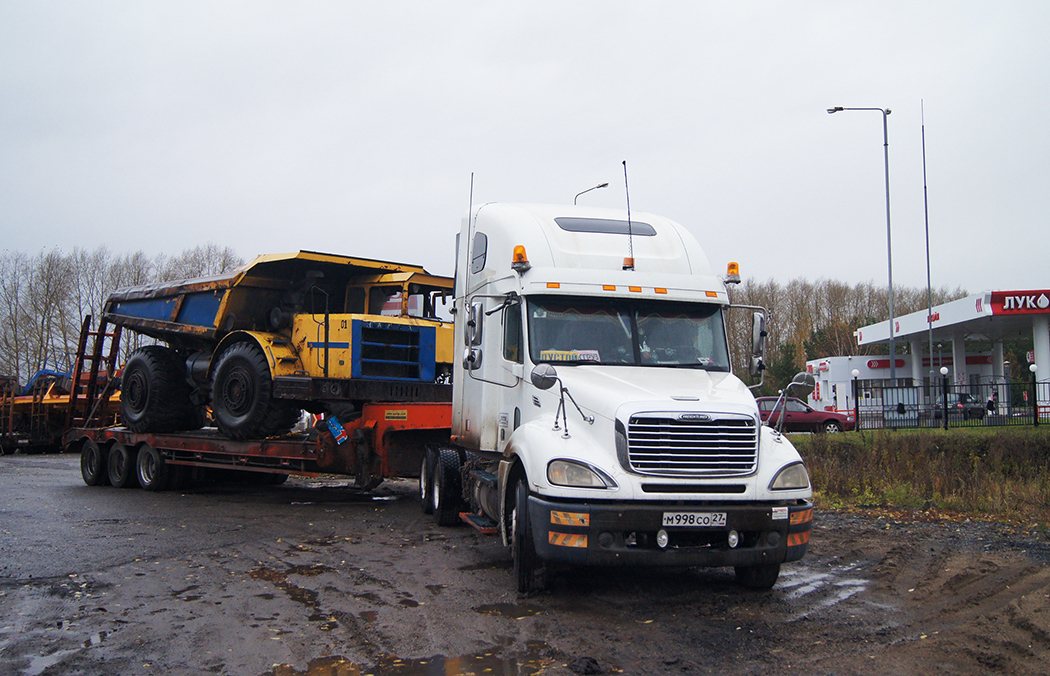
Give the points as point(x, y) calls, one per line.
point(482, 523)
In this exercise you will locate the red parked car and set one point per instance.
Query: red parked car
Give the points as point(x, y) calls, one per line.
point(802, 418)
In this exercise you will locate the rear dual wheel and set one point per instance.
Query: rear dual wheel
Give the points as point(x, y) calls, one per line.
point(155, 393)
point(93, 466)
point(120, 466)
point(150, 468)
point(426, 480)
point(446, 487)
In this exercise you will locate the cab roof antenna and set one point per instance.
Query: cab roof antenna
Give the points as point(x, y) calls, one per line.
point(628, 263)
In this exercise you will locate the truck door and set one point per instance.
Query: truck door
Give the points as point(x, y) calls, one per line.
point(493, 368)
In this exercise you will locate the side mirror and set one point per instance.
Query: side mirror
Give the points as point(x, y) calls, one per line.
point(802, 384)
point(475, 324)
point(471, 359)
point(544, 376)
point(756, 366)
point(758, 334)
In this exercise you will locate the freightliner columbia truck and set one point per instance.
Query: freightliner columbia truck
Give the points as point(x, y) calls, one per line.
point(596, 419)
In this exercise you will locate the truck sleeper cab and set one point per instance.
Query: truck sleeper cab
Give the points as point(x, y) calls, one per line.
point(596, 416)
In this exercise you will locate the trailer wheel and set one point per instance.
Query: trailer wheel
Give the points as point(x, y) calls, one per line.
point(242, 396)
point(758, 577)
point(426, 480)
point(446, 487)
point(121, 466)
point(155, 395)
point(93, 466)
point(526, 563)
point(151, 469)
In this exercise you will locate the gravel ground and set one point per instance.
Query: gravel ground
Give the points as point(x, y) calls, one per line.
point(314, 578)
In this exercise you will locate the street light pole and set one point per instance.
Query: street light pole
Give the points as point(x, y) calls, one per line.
point(889, 242)
point(600, 185)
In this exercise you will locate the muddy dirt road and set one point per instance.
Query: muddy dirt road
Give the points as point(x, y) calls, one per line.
point(311, 578)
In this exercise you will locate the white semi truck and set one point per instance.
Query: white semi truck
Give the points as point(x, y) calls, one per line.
point(596, 419)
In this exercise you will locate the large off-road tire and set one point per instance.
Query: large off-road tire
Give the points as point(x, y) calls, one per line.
point(242, 396)
point(121, 466)
point(447, 487)
point(758, 577)
point(93, 465)
point(150, 468)
point(526, 562)
point(155, 395)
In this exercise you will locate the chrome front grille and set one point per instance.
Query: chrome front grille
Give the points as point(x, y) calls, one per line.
point(666, 444)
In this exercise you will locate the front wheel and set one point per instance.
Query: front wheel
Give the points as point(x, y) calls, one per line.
point(832, 426)
point(242, 396)
point(526, 562)
point(758, 577)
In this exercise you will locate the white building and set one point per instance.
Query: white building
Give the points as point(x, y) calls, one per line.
point(989, 317)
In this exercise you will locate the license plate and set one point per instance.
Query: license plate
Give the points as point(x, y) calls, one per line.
point(695, 519)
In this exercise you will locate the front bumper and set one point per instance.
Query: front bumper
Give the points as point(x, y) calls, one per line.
point(622, 533)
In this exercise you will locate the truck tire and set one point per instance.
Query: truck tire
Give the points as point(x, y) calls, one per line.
point(446, 487)
point(758, 577)
point(242, 396)
point(526, 562)
point(121, 466)
point(426, 481)
point(93, 465)
point(155, 395)
point(151, 469)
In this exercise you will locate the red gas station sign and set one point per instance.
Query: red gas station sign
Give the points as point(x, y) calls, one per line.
point(1021, 302)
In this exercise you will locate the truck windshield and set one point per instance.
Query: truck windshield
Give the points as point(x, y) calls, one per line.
point(567, 329)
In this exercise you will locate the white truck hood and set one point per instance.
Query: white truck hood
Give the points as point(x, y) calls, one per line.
point(602, 390)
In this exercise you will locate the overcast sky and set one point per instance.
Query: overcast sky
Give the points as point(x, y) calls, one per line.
point(354, 127)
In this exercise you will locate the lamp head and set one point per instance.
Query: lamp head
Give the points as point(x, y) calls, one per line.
point(832, 111)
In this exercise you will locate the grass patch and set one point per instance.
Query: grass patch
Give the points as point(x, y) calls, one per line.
point(988, 473)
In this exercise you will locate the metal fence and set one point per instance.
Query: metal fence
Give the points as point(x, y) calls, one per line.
point(880, 406)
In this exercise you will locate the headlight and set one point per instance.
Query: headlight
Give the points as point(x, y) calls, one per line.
point(577, 475)
point(790, 478)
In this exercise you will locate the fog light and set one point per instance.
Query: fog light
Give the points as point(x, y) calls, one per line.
point(734, 539)
point(661, 539)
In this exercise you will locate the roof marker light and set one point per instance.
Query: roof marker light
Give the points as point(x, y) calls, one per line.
point(733, 273)
point(520, 262)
